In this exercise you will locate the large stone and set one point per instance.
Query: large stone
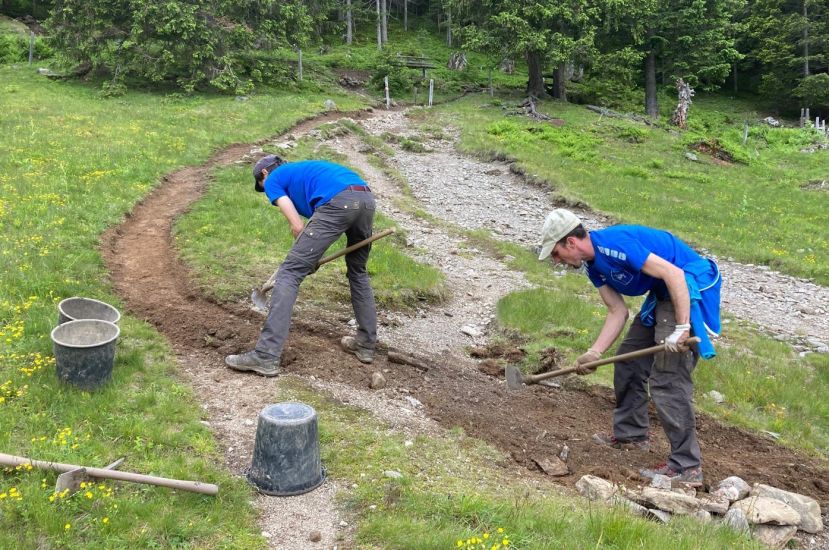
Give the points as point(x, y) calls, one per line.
point(807, 507)
point(669, 501)
point(627, 504)
point(728, 493)
point(743, 488)
point(703, 516)
point(767, 510)
point(736, 519)
point(774, 536)
point(595, 488)
point(659, 515)
point(715, 505)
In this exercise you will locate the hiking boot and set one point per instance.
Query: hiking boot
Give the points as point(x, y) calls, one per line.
point(609, 440)
point(252, 361)
point(365, 355)
point(691, 477)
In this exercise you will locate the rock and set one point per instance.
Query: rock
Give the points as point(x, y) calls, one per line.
point(393, 474)
point(552, 466)
point(727, 493)
point(808, 508)
point(743, 488)
point(691, 156)
point(661, 482)
point(315, 536)
point(412, 401)
point(470, 331)
point(378, 381)
point(330, 105)
point(736, 519)
point(715, 396)
point(659, 515)
point(669, 501)
point(715, 505)
point(767, 510)
point(704, 516)
point(627, 504)
point(774, 536)
point(595, 488)
point(683, 489)
point(771, 121)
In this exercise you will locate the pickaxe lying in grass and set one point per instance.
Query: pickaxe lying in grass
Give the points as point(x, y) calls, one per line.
point(516, 380)
point(258, 298)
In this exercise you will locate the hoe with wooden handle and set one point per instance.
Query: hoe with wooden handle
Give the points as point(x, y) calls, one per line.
point(258, 298)
point(516, 380)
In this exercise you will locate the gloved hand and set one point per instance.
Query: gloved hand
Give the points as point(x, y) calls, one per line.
point(672, 342)
point(588, 357)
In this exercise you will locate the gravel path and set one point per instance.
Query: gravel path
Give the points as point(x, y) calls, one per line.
point(474, 194)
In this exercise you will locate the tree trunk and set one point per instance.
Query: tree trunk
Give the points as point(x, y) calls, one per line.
point(805, 40)
point(449, 28)
point(405, 15)
point(734, 70)
point(535, 81)
point(385, 20)
point(379, 27)
point(651, 103)
point(684, 93)
point(559, 84)
point(349, 22)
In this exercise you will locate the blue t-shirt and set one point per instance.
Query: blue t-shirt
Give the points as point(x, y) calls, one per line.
point(309, 183)
point(621, 251)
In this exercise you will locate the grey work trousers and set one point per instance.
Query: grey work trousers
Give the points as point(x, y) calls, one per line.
point(668, 375)
point(350, 212)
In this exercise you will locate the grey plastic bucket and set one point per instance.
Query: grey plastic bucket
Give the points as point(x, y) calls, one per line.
point(286, 454)
point(77, 307)
point(85, 351)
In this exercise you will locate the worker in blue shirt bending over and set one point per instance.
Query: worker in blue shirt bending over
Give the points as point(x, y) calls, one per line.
point(337, 202)
point(683, 298)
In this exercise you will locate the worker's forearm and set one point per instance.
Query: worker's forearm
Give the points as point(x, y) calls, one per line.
point(612, 328)
point(678, 290)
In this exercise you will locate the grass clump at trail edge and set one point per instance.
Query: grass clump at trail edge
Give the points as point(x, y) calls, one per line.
point(450, 491)
point(73, 165)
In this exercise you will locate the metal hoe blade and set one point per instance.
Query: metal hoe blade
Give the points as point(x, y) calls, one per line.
point(259, 299)
point(515, 380)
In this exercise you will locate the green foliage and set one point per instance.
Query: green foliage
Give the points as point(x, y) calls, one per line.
point(814, 90)
point(575, 145)
point(14, 48)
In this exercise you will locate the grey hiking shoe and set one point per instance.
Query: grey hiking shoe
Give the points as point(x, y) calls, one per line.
point(252, 361)
point(691, 477)
point(365, 355)
point(609, 440)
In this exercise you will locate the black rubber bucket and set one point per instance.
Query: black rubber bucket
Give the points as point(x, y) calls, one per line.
point(85, 351)
point(286, 454)
point(72, 309)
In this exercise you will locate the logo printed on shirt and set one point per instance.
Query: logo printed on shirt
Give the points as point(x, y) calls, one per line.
point(621, 276)
point(613, 253)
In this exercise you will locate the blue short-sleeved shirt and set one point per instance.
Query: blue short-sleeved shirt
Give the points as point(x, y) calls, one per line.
point(309, 183)
point(621, 251)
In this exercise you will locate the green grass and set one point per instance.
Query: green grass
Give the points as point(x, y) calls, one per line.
point(72, 165)
point(234, 240)
point(452, 490)
point(649, 180)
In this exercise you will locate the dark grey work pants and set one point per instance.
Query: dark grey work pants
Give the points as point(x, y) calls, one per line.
point(671, 387)
point(349, 212)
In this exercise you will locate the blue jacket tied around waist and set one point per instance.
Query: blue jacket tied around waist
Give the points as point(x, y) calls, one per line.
point(704, 282)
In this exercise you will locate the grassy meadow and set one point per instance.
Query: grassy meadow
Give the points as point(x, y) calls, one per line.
point(72, 165)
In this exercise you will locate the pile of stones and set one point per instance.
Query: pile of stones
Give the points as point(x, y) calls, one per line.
point(770, 515)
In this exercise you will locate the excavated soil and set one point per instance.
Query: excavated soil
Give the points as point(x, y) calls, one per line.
point(527, 425)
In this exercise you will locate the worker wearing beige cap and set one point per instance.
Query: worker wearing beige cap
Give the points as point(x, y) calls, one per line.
point(683, 297)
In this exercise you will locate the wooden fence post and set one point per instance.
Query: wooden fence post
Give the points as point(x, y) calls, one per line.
point(31, 47)
point(300, 65)
point(386, 86)
point(431, 90)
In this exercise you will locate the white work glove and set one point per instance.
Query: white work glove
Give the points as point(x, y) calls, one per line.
point(672, 341)
point(588, 357)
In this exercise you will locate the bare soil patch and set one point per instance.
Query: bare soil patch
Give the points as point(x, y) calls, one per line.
point(527, 425)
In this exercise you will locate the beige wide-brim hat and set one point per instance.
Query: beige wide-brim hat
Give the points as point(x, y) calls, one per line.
point(558, 223)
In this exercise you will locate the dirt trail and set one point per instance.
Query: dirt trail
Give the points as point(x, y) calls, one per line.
point(531, 425)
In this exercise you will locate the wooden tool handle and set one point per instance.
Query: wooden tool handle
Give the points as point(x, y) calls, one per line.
point(269, 284)
point(623, 357)
point(194, 486)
